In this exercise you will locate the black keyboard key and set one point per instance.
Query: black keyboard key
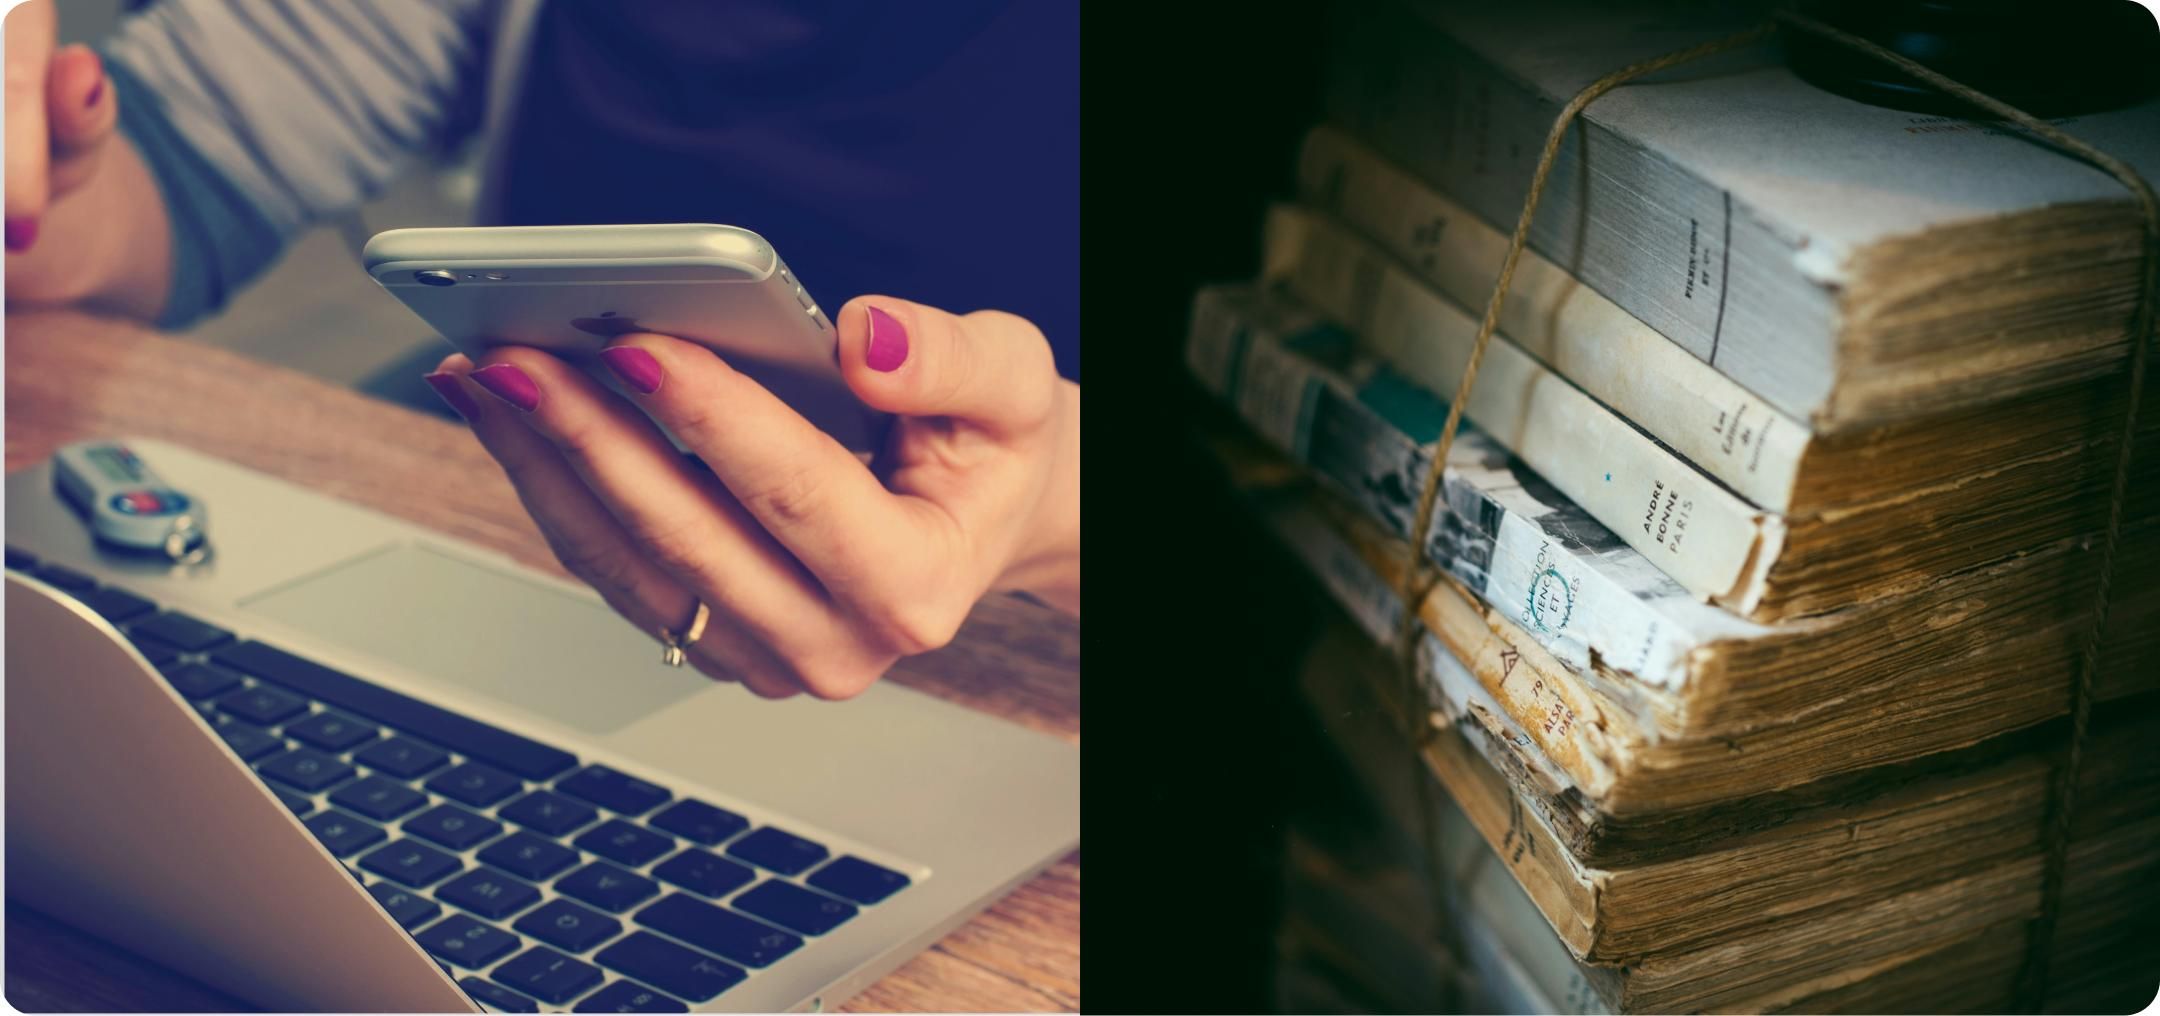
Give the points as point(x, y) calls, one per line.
point(491, 894)
point(520, 756)
point(547, 975)
point(332, 731)
point(67, 580)
point(548, 812)
point(401, 757)
point(793, 907)
point(158, 653)
point(343, 833)
point(452, 826)
point(498, 996)
point(528, 856)
point(299, 805)
point(189, 634)
point(718, 931)
point(378, 798)
point(704, 872)
point(475, 784)
point(467, 942)
point(852, 878)
point(615, 791)
point(409, 909)
point(629, 996)
point(262, 705)
point(625, 843)
point(776, 849)
point(305, 769)
point(200, 680)
point(565, 925)
point(20, 560)
point(116, 605)
point(695, 820)
point(671, 968)
point(247, 740)
point(411, 863)
point(606, 886)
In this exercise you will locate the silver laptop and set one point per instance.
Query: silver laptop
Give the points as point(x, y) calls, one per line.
point(347, 763)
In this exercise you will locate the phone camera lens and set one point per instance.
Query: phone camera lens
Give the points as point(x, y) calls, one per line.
point(436, 277)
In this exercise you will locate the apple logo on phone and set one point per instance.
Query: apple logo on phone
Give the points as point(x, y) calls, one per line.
point(607, 325)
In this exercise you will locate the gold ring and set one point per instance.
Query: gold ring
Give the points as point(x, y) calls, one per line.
point(672, 655)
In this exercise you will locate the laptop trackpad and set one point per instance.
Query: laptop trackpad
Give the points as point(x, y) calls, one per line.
point(490, 631)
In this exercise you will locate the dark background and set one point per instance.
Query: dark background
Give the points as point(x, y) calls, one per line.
point(1191, 115)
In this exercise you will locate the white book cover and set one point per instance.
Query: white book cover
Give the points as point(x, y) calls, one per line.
point(1708, 418)
point(1567, 581)
point(1708, 538)
point(1727, 202)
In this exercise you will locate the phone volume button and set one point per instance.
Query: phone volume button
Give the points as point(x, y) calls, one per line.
point(804, 299)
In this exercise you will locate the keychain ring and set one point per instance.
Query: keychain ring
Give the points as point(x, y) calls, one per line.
point(186, 544)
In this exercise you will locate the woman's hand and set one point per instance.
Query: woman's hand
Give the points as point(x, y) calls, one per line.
point(819, 573)
point(85, 222)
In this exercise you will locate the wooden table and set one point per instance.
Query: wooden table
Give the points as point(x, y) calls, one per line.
point(72, 376)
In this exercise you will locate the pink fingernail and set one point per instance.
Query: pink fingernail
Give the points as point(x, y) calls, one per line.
point(509, 384)
point(636, 367)
point(888, 343)
point(446, 385)
point(21, 233)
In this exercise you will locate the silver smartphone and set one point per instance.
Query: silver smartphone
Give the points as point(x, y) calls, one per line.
point(570, 289)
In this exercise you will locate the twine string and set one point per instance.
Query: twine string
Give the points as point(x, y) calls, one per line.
point(2039, 945)
point(1416, 581)
point(1419, 578)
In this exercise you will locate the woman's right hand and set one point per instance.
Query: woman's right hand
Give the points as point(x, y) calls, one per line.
point(84, 218)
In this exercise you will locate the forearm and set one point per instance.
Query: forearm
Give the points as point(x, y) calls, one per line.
point(107, 244)
point(220, 162)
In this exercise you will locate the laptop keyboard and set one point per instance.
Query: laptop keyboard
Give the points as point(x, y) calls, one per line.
point(535, 879)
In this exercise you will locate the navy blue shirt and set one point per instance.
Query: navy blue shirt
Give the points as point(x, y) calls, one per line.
point(925, 151)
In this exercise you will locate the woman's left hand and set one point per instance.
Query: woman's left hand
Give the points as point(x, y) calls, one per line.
point(819, 572)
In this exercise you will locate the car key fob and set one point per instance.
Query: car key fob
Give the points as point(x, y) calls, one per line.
point(128, 506)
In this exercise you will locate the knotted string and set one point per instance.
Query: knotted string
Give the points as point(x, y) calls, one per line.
point(1419, 578)
point(2033, 978)
point(1415, 582)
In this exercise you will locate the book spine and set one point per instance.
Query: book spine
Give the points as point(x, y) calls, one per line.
point(1494, 915)
point(1349, 576)
point(1671, 248)
point(1702, 534)
point(1546, 566)
point(1571, 585)
point(1464, 697)
point(1659, 386)
point(1508, 799)
point(1527, 712)
point(1277, 405)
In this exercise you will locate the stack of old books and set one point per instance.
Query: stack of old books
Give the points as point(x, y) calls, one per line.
point(1772, 539)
